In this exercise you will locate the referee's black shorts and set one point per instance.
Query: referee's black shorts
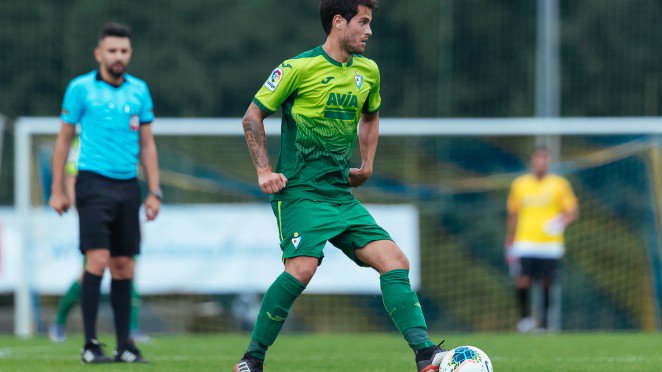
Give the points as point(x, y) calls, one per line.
point(108, 214)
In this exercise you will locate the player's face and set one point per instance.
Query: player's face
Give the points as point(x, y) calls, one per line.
point(356, 33)
point(540, 162)
point(113, 54)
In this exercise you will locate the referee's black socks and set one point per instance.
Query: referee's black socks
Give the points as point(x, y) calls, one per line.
point(120, 299)
point(89, 303)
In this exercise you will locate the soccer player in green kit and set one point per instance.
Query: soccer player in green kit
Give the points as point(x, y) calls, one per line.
point(328, 95)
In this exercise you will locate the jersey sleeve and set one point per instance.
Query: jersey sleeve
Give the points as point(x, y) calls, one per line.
point(147, 112)
point(73, 104)
point(374, 100)
point(568, 198)
point(514, 198)
point(280, 84)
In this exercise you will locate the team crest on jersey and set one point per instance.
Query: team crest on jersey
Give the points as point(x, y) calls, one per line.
point(134, 122)
point(359, 80)
point(274, 79)
point(296, 240)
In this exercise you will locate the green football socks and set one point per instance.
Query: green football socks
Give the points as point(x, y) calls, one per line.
point(275, 307)
point(403, 306)
point(68, 301)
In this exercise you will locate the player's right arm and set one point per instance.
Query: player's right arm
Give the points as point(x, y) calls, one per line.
point(59, 200)
point(253, 122)
point(280, 84)
point(72, 111)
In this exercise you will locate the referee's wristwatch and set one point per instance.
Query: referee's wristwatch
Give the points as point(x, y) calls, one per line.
point(158, 194)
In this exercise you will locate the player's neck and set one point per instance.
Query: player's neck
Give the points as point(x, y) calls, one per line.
point(540, 175)
point(332, 49)
point(110, 79)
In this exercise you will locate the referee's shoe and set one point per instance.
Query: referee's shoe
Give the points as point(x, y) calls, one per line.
point(93, 353)
point(129, 354)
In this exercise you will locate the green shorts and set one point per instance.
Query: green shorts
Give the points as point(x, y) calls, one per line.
point(306, 225)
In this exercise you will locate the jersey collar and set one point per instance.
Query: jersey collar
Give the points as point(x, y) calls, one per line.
point(333, 61)
point(98, 77)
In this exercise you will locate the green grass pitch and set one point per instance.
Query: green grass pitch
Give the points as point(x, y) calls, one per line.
point(351, 352)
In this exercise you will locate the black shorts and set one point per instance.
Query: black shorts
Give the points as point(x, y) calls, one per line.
point(539, 268)
point(108, 214)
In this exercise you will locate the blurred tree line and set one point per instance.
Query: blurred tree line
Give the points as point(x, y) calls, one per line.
point(438, 58)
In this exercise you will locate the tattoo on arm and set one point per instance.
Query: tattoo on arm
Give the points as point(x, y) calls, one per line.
point(256, 140)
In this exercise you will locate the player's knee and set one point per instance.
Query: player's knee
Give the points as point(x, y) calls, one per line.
point(96, 262)
point(302, 268)
point(122, 267)
point(400, 260)
point(304, 273)
point(523, 282)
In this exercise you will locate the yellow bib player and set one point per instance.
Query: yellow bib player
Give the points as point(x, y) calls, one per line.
point(540, 207)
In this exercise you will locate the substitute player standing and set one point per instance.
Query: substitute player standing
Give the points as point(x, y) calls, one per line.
point(114, 110)
point(324, 93)
point(540, 207)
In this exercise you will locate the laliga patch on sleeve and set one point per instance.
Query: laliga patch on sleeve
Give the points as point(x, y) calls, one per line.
point(274, 79)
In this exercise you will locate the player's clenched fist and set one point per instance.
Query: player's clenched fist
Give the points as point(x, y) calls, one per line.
point(59, 202)
point(271, 182)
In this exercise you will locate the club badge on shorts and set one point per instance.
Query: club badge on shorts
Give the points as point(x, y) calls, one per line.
point(296, 240)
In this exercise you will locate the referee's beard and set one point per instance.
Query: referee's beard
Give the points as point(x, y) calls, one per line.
point(116, 70)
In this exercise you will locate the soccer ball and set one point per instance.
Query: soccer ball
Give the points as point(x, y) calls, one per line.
point(466, 359)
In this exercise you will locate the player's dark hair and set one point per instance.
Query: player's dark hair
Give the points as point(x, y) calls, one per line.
point(114, 29)
point(345, 8)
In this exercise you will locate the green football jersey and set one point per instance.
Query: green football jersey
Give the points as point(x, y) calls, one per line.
point(322, 101)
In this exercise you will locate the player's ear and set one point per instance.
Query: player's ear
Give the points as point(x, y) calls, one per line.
point(339, 22)
point(97, 53)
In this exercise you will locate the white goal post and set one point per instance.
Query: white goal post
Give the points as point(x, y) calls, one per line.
point(26, 127)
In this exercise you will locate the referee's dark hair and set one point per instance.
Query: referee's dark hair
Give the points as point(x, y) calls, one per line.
point(346, 8)
point(114, 29)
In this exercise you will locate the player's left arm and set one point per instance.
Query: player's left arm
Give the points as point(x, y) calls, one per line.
point(368, 130)
point(368, 137)
point(149, 160)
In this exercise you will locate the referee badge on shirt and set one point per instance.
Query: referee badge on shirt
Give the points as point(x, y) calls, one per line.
point(134, 122)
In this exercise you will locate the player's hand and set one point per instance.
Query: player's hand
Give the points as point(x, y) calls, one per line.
point(271, 182)
point(509, 256)
point(508, 252)
point(59, 202)
point(358, 176)
point(556, 226)
point(152, 205)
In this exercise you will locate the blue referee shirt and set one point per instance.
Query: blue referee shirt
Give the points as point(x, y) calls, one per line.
point(110, 118)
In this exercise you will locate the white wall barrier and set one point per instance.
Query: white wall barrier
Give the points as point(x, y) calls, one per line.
point(221, 248)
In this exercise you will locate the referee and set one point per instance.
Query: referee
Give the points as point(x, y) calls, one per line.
point(114, 110)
